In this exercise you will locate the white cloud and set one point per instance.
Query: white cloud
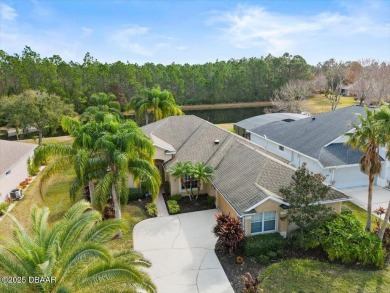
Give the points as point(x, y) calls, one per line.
point(7, 12)
point(254, 27)
point(129, 38)
point(86, 31)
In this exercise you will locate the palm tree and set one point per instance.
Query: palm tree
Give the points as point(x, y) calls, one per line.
point(180, 170)
point(78, 154)
point(161, 103)
point(202, 173)
point(368, 138)
point(124, 151)
point(383, 119)
point(102, 106)
point(73, 252)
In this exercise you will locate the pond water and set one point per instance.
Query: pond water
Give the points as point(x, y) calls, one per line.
point(231, 115)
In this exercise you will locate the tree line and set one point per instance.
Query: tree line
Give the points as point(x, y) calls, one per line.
point(243, 80)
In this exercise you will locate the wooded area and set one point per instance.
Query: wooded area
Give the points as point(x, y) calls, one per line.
point(243, 80)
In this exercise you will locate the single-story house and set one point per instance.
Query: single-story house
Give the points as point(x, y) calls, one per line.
point(13, 165)
point(247, 177)
point(244, 127)
point(319, 141)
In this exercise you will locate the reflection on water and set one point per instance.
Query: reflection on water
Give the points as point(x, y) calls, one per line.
point(218, 115)
point(226, 115)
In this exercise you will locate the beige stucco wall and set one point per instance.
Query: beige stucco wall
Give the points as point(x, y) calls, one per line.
point(224, 206)
point(336, 206)
point(160, 154)
point(18, 174)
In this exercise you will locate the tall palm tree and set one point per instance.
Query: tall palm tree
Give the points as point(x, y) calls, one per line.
point(368, 137)
point(161, 104)
point(203, 173)
point(124, 151)
point(78, 154)
point(383, 120)
point(180, 170)
point(73, 252)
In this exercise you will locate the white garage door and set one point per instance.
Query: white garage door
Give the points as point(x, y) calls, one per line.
point(350, 177)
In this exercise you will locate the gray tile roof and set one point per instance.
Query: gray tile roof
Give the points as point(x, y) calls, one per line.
point(257, 121)
point(11, 152)
point(310, 135)
point(240, 165)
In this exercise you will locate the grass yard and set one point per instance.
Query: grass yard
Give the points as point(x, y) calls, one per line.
point(304, 276)
point(320, 104)
point(56, 197)
point(63, 139)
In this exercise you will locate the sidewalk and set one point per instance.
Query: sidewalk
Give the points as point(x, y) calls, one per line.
point(161, 206)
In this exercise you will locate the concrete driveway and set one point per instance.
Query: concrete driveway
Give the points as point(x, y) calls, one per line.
point(181, 249)
point(380, 196)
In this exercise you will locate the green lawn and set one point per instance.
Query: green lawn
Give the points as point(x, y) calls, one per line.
point(304, 276)
point(56, 197)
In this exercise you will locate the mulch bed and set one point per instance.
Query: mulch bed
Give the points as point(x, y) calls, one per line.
point(194, 205)
point(141, 203)
point(235, 272)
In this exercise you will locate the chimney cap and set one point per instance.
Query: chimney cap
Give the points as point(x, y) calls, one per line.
point(216, 141)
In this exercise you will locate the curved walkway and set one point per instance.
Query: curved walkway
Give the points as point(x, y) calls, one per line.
point(181, 249)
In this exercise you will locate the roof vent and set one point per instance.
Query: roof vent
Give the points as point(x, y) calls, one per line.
point(313, 118)
point(216, 141)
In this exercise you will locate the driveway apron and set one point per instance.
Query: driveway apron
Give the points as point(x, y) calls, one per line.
point(181, 249)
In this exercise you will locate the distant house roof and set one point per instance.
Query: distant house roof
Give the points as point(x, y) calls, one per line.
point(310, 136)
point(11, 152)
point(244, 173)
point(260, 120)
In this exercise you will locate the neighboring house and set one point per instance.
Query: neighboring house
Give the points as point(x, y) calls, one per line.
point(243, 127)
point(319, 142)
point(13, 165)
point(247, 178)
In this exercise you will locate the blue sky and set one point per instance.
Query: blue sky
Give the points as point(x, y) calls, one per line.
point(197, 31)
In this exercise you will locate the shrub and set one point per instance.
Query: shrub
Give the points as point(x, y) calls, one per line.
point(31, 168)
point(229, 232)
point(346, 240)
point(308, 239)
point(263, 259)
point(345, 210)
point(262, 244)
point(134, 194)
point(176, 197)
point(167, 187)
point(272, 254)
point(3, 208)
point(211, 200)
point(152, 210)
point(280, 252)
point(251, 284)
point(173, 207)
point(386, 236)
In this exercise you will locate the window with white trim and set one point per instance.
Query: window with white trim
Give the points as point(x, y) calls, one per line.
point(189, 182)
point(263, 222)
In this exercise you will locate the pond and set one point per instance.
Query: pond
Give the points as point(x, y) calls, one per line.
point(231, 115)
